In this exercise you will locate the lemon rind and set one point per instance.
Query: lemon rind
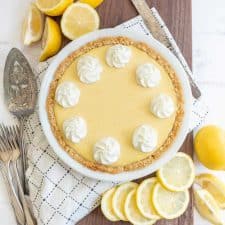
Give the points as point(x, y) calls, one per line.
point(173, 187)
point(67, 12)
point(141, 185)
point(165, 215)
point(106, 195)
point(121, 215)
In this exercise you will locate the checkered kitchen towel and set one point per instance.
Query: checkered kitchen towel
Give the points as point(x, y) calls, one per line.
point(58, 194)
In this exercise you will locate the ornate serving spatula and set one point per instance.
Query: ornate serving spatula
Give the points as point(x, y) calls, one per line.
point(20, 91)
point(20, 95)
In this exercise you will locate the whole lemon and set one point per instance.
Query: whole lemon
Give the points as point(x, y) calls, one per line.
point(209, 146)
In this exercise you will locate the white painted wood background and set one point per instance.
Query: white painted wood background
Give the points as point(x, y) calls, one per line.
point(208, 66)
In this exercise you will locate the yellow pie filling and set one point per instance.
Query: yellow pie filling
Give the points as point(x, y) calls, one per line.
point(115, 106)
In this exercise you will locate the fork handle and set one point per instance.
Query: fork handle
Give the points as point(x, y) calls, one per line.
point(28, 216)
point(13, 196)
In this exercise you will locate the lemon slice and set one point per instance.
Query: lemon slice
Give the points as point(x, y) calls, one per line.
point(144, 199)
point(53, 7)
point(214, 186)
point(93, 3)
point(33, 25)
point(52, 39)
point(207, 206)
point(169, 204)
point(178, 174)
point(106, 205)
point(132, 212)
point(119, 197)
point(79, 19)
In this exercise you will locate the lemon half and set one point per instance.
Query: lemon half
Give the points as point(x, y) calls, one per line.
point(132, 212)
point(33, 25)
point(79, 19)
point(53, 7)
point(169, 204)
point(214, 186)
point(119, 198)
point(144, 198)
point(51, 40)
point(178, 174)
point(106, 205)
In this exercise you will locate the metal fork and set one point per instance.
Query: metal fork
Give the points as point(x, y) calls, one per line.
point(10, 145)
point(6, 173)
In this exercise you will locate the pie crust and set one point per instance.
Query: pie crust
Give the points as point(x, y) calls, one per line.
point(154, 55)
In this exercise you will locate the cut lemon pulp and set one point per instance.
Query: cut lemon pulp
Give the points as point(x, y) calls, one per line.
point(207, 206)
point(214, 186)
point(119, 197)
point(79, 19)
point(132, 212)
point(169, 204)
point(51, 40)
point(106, 205)
point(178, 174)
point(53, 7)
point(33, 25)
point(144, 199)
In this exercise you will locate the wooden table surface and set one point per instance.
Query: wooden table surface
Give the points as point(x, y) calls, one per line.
point(177, 16)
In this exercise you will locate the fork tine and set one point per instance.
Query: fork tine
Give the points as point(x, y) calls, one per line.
point(3, 147)
point(9, 137)
point(4, 143)
point(4, 132)
point(6, 137)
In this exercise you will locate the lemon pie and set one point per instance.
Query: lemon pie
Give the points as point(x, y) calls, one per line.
point(115, 105)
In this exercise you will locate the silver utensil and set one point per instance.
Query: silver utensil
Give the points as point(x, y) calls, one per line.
point(20, 94)
point(5, 169)
point(163, 36)
point(9, 144)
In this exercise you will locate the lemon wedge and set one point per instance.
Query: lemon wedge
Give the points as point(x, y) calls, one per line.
point(207, 206)
point(169, 204)
point(93, 3)
point(53, 7)
point(119, 197)
point(79, 19)
point(132, 212)
point(106, 205)
point(178, 174)
point(33, 25)
point(214, 186)
point(144, 198)
point(51, 40)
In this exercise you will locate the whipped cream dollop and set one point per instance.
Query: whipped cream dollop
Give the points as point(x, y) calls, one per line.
point(148, 75)
point(75, 129)
point(67, 94)
point(107, 151)
point(145, 138)
point(89, 69)
point(162, 106)
point(118, 55)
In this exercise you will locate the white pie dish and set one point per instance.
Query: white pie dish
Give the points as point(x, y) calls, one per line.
point(124, 176)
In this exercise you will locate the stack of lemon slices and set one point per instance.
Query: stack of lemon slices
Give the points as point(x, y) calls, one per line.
point(165, 196)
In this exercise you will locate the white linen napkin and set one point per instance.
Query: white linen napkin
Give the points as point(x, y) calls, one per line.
point(58, 194)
